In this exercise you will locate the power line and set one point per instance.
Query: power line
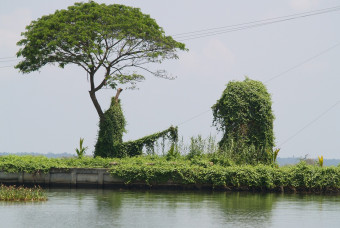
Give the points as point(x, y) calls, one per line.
point(194, 117)
point(292, 136)
point(232, 28)
point(304, 62)
point(309, 13)
point(282, 73)
point(310, 123)
point(242, 26)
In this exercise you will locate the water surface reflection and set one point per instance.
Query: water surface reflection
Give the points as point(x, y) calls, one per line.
point(122, 208)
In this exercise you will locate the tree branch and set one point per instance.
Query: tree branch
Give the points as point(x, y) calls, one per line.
point(103, 83)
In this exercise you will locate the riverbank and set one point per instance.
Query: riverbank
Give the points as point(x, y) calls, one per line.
point(159, 172)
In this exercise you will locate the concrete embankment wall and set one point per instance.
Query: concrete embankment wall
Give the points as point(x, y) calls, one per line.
point(73, 177)
point(101, 178)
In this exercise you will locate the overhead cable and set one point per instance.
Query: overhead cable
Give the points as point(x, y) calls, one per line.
point(310, 123)
point(232, 28)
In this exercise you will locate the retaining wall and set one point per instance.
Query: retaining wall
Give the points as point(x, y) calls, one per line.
point(73, 177)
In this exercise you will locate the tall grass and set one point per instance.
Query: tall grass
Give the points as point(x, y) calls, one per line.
point(14, 193)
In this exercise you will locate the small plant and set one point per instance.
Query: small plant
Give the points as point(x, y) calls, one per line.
point(320, 161)
point(173, 153)
point(276, 152)
point(13, 193)
point(81, 151)
point(197, 146)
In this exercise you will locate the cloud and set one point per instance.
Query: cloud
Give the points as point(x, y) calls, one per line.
point(303, 5)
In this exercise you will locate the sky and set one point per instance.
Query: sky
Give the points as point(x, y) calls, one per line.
point(49, 110)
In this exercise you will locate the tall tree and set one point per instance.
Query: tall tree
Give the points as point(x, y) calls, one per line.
point(117, 38)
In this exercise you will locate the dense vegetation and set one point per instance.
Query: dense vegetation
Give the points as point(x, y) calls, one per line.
point(36, 164)
point(221, 174)
point(13, 193)
point(111, 129)
point(206, 170)
point(110, 137)
point(244, 115)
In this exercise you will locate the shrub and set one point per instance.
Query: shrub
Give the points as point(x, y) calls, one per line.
point(111, 129)
point(244, 115)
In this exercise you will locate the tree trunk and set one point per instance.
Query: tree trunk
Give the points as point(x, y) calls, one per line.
point(117, 94)
point(96, 104)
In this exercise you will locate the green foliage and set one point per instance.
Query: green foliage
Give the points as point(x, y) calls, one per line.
point(92, 35)
point(301, 177)
point(173, 153)
point(42, 164)
point(221, 159)
point(13, 193)
point(242, 153)
point(81, 151)
point(111, 129)
point(133, 148)
point(110, 137)
point(244, 115)
point(209, 169)
point(196, 147)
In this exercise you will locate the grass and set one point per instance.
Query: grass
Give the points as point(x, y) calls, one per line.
point(14, 193)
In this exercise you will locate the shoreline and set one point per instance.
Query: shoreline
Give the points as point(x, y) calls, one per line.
point(102, 178)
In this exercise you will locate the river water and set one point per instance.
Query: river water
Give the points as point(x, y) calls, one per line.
point(123, 208)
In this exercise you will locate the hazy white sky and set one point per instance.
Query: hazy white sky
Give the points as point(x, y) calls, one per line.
point(48, 111)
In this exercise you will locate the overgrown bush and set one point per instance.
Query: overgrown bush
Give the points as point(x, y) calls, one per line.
point(244, 115)
point(135, 147)
point(111, 130)
point(110, 136)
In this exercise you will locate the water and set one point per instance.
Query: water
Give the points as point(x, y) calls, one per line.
point(118, 208)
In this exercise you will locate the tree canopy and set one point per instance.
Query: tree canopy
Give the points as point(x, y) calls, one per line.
point(117, 38)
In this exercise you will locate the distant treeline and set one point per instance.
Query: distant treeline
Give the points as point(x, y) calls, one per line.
point(49, 155)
